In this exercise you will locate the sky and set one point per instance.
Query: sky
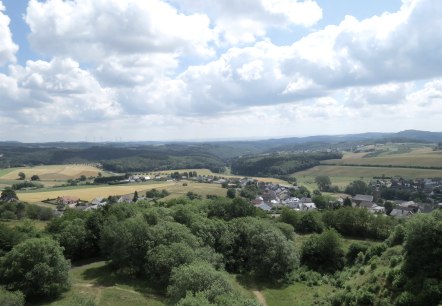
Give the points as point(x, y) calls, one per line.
point(138, 70)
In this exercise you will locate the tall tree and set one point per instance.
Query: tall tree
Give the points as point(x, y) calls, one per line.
point(21, 175)
point(323, 182)
point(36, 267)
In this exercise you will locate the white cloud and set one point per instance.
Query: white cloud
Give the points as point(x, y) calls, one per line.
point(91, 29)
point(238, 22)
point(7, 47)
point(56, 91)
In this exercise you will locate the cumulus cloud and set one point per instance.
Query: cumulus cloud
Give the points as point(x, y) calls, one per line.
point(7, 47)
point(246, 21)
point(56, 91)
point(91, 29)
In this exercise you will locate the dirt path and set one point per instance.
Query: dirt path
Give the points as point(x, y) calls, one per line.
point(260, 297)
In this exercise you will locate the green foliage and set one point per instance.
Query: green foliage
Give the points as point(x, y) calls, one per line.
point(353, 250)
point(357, 222)
point(193, 196)
point(261, 248)
point(35, 177)
point(323, 252)
point(309, 222)
point(156, 194)
point(357, 187)
point(198, 277)
point(423, 245)
point(26, 184)
point(231, 193)
point(36, 267)
point(161, 259)
point(290, 216)
point(127, 242)
point(21, 176)
point(397, 236)
point(8, 194)
point(11, 298)
point(323, 182)
point(18, 210)
point(287, 230)
point(278, 164)
point(228, 209)
point(250, 191)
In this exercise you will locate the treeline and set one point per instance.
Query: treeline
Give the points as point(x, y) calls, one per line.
point(118, 159)
point(279, 164)
point(18, 210)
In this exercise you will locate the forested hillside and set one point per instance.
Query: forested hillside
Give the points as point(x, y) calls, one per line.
point(278, 164)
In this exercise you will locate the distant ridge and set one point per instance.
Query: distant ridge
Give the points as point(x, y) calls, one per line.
point(407, 135)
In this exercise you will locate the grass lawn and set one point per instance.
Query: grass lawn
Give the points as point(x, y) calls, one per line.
point(95, 281)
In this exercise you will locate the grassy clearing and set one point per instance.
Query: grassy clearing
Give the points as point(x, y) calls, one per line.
point(297, 294)
point(89, 192)
point(97, 282)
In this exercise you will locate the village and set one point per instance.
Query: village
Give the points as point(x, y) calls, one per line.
point(272, 197)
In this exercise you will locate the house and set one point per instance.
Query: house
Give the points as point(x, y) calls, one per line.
point(99, 200)
point(125, 199)
point(308, 206)
point(264, 207)
point(367, 205)
point(268, 196)
point(376, 209)
point(306, 200)
point(66, 200)
point(402, 212)
point(359, 198)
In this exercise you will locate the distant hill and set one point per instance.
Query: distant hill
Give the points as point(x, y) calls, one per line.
point(215, 155)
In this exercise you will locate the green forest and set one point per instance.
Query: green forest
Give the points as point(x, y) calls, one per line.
point(187, 251)
point(279, 164)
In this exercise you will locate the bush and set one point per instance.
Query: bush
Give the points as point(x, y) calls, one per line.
point(397, 237)
point(11, 298)
point(36, 267)
point(195, 278)
point(353, 250)
point(310, 222)
point(323, 252)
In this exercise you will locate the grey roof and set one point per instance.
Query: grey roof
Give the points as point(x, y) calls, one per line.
point(366, 204)
point(264, 206)
point(401, 212)
point(363, 197)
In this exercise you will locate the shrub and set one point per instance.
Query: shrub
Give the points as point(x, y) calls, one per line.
point(11, 298)
point(36, 267)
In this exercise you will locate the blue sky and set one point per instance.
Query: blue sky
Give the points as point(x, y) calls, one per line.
point(217, 69)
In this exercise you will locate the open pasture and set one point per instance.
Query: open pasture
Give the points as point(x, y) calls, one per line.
point(359, 172)
point(51, 172)
point(418, 157)
point(89, 192)
point(207, 172)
